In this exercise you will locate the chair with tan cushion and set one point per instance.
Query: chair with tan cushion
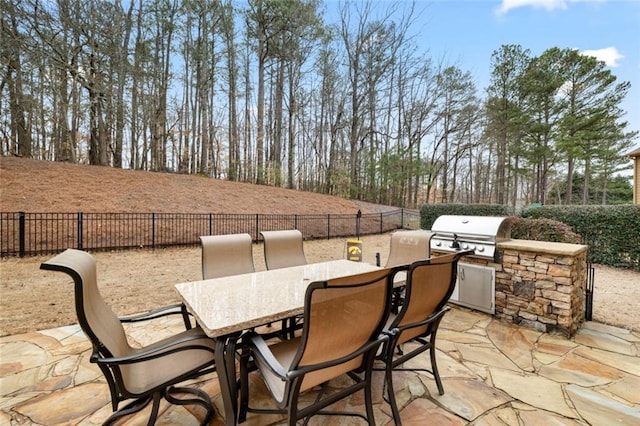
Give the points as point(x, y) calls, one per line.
point(406, 247)
point(283, 249)
point(225, 255)
point(429, 286)
point(342, 321)
point(144, 374)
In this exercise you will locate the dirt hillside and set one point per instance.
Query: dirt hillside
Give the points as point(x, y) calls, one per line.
point(42, 186)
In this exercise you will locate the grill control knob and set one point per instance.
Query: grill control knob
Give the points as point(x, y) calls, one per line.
point(480, 249)
point(465, 246)
point(438, 243)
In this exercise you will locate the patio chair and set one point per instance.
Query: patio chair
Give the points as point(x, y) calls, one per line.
point(283, 249)
point(405, 247)
point(145, 374)
point(428, 288)
point(343, 320)
point(225, 255)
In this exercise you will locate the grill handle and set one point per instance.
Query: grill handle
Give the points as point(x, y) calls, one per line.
point(455, 244)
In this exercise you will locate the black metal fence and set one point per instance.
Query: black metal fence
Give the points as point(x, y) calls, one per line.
point(24, 234)
point(591, 279)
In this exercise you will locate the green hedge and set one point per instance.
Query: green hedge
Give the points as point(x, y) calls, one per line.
point(612, 232)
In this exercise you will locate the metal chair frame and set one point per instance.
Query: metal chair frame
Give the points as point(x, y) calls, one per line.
point(429, 321)
point(406, 247)
point(283, 249)
point(81, 267)
point(254, 345)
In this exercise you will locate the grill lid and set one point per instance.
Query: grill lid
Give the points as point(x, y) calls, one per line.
point(491, 228)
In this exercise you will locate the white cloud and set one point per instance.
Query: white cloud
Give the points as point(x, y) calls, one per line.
point(507, 5)
point(608, 55)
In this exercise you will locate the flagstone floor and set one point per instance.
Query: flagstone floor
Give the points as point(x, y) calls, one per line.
point(494, 373)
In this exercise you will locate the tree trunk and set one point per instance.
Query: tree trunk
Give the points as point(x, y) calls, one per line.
point(11, 55)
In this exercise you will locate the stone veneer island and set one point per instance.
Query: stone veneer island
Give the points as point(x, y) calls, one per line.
point(540, 284)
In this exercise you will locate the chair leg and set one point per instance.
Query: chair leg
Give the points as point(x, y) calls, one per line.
point(391, 392)
point(185, 317)
point(368, 399)
point(292, 411)
point(434, 367)
point(130, 408)
point(202, 399)
point(244, 385)
point(154, 409)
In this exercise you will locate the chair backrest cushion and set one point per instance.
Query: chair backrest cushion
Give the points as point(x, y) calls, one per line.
point(225, 255)
point(341, 316)
point(429, 287)
point(97, 320)
point(283, 249)
point(407, 247)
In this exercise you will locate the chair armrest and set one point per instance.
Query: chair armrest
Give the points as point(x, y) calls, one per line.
point(146, 354)
point(260, 349)
point(463, 253)
point(438, 315)
point(371, 346)
point(399, 268)
point(177, 309)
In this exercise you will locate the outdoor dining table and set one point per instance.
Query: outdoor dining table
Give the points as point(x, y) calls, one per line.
point(225, 307)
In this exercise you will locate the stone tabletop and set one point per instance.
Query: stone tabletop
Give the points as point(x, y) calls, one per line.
point(240, 302)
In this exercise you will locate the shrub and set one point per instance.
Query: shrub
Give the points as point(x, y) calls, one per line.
point(611, 232)
point(543, 230)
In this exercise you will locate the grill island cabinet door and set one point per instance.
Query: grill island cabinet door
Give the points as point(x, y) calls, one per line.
point(475, 288)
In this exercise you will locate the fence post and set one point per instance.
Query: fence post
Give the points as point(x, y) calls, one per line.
point(21, 227)
point(328, 226)
point(588, 312)
point(257, 226)
point(79, 230)
point(381, 228)
point(210, 223)
point(153, 231)
point(358, 216)
point(402, 218)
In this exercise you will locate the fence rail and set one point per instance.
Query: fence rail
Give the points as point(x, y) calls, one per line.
point(23, 234)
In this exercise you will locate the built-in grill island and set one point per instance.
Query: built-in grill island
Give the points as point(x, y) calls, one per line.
point(476, 285)
point(537, 284)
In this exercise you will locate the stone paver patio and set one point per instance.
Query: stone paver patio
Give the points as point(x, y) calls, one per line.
point(494, 373)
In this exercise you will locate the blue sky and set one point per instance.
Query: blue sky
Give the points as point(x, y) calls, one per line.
point(466, 32)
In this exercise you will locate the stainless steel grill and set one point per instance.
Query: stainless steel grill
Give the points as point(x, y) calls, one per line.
point(478, 233)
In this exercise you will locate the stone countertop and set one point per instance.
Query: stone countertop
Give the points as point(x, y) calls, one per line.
point(548, 247)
